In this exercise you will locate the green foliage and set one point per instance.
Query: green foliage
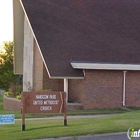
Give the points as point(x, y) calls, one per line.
point(16, 92)
point(8, 94)
point(7, 77)
point(1, 99)
point(18, 96)
point(6, 67)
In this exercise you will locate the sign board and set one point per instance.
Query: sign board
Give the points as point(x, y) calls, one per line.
point(7, 119)
point(43, 102)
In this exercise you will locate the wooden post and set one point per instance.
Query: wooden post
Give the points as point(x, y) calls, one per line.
point(23, 113)
point(65, 109)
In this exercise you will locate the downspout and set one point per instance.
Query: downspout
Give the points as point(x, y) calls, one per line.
point(124, 86)
point(66, 88)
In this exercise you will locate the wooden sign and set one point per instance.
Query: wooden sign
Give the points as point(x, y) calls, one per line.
point(43, 102)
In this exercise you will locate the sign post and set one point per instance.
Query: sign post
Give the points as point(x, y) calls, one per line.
point(23, 113)
point(43, 102)
point(65, 108)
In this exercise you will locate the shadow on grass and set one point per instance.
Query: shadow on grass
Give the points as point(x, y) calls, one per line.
point(46, 127)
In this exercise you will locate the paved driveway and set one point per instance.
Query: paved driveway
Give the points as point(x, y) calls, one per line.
point(117, 136)
point(112, 136)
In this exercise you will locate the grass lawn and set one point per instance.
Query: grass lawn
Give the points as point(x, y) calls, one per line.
point(55, 128)
point(36, 129)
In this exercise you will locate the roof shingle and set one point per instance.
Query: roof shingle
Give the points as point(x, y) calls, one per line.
point(101, 31)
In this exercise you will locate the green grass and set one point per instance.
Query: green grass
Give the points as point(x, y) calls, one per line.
point(36, 129)
point(97, 111)
point(54, 128)
point(134, 108)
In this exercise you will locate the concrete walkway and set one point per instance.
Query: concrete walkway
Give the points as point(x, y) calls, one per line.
point(70, 117)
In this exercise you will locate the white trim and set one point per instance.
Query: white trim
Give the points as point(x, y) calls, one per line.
point(66, 86)
point(124, 86)
point(105, 66)
point(35, 38)
point(61, 77)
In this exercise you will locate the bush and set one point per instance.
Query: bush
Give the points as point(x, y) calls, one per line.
point(18, 97)
point(8, 94)
point(15, 92)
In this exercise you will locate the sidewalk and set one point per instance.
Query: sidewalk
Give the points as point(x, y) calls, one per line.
point(110, 136)
point(70, 117)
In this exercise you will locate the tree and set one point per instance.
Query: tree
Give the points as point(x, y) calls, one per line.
point(7, 76)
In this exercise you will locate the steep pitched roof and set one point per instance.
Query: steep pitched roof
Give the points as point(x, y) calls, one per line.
point(99, 31)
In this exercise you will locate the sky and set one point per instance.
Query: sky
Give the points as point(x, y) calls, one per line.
point(6, 21)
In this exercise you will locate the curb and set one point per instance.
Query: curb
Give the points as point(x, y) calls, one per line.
point(84, 136)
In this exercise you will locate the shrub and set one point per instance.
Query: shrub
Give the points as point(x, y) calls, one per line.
point(18, 97)
point(8, 94)
point(15, 92)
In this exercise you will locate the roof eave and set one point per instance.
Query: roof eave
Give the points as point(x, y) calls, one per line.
point(66, 77)
point(105, 66)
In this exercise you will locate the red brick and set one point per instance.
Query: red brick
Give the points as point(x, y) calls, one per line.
point(104, 89)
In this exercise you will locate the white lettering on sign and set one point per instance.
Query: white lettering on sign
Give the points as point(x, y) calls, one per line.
point(7, 119)
point(52, 96)
point(51, 102)
point(42, 96)
point(45, 96)
point(37, 102)
point(45, 108)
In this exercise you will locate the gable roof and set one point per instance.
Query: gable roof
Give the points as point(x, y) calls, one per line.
point(97, 31)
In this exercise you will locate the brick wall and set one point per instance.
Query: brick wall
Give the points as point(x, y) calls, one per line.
point(11, 104)
point(104, 89)
point(76, 90)
point(133, 88)
point(38, 69)
point(53, 84)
